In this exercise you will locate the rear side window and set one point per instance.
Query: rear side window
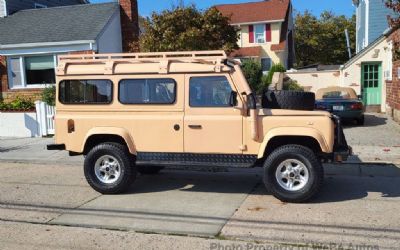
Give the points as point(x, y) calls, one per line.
point(85, 92)
point(147, 91)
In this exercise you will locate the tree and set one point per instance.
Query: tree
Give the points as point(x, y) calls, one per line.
point(395, 6)
point(252, 71)
point(186, 29)
point(322, 40)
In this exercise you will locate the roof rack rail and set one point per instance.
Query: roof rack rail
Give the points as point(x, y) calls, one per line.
point(214, 57)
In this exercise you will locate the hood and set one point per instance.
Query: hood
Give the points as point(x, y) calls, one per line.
point(286, 112)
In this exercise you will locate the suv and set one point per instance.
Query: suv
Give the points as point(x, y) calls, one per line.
point(130, 113)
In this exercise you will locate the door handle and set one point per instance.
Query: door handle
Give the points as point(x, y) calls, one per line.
point(195, 126)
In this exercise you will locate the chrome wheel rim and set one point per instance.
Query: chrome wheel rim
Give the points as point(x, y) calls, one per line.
point(107, 169)
point(292, 175)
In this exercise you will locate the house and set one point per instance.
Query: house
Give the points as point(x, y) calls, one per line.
point(266, 31)
point(368, 71)
point(32, 39)
point(371, 21)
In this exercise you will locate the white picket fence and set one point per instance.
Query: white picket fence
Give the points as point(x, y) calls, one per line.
point(45, 117)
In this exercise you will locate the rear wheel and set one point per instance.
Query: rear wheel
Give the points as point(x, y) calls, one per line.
point(293, 173)
point(109, 168)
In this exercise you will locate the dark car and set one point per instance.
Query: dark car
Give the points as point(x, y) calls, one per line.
point(342, 102)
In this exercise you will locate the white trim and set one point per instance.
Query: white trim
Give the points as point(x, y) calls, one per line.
point(260, 22)
point(49, 50)
point(40, 6)
point(366, 24)
point(35, 45)
point(5, 8)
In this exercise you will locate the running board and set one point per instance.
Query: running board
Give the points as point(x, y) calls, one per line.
point(196, 160)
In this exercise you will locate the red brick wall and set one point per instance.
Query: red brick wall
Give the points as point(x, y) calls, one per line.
point(3, 75)
point(393, 87)
point(129, 25)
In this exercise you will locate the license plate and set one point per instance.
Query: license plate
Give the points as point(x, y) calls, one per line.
point(338, 108)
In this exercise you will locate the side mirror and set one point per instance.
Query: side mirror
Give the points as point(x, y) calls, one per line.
point(360, 97)
point(233, 99)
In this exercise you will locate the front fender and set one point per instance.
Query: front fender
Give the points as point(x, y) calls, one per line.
point(123, 133)
point(294, 131)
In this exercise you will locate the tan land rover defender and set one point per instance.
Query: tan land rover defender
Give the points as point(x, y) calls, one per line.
point(130, 113)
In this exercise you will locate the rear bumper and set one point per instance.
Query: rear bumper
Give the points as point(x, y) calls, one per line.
point(56, 147)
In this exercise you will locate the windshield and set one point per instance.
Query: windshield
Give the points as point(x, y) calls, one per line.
point(336, 95)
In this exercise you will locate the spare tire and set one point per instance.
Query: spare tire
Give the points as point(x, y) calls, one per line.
point(284, 99)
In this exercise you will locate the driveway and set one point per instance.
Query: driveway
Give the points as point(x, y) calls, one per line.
point(377, 141)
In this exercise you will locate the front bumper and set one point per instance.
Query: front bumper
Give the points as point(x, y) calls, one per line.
point(341, 150)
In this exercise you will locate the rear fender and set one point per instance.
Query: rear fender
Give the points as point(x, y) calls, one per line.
point(121, 132)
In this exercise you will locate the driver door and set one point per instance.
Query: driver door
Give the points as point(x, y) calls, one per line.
point(211, 124)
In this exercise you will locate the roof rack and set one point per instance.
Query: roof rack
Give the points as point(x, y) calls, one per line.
point(216, 58)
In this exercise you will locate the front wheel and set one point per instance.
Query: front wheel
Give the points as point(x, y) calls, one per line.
point(109, 169)
point(293, 173)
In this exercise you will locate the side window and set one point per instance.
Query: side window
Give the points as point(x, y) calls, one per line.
point(147, 91)
point(209, 91)
point(85, 92)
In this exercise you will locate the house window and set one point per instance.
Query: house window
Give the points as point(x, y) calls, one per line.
point(39, 70)
point(31, 71)
point(266, 64)
point(259, 34)
point(40, 6)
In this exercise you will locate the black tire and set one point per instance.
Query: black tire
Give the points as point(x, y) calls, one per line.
point(294, 100)
point(361, 121)
point(125, 160)
point(149, 170)
point(303, 155)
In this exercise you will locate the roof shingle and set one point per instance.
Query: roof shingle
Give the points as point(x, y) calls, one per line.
point(269, 10)
point(58, 24)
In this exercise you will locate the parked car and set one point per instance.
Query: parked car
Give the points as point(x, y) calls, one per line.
point(342, 102)
point(130, 112)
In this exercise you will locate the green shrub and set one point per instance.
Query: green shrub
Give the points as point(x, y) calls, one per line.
point(253, 72)
point(292, 85)
point(49, 95)
point(19, 103)
point(275, 68)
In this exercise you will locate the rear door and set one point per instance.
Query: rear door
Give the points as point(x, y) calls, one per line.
point(211, 124)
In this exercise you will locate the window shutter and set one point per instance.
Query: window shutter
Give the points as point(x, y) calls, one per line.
point(268, 32)
point(251, 34)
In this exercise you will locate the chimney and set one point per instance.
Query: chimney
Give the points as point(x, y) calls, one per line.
point(129, 25)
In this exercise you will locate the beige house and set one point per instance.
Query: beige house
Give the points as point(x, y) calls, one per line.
point(266, 31)
point(367, 73)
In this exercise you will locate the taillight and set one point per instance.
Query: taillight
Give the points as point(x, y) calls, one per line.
point(357, 106)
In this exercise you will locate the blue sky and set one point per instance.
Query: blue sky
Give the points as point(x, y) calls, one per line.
point(344, 7)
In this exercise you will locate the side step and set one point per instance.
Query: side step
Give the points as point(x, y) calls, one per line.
point(196, 160)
